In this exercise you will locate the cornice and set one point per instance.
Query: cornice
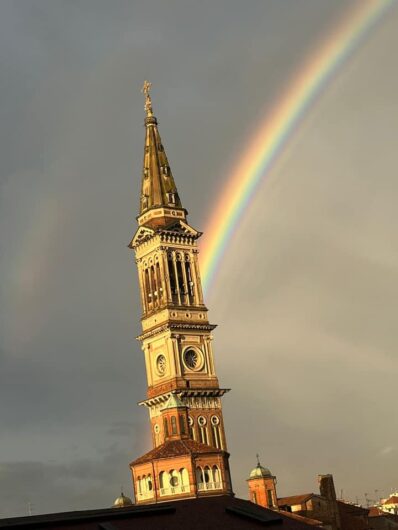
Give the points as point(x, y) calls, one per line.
point(176, 326)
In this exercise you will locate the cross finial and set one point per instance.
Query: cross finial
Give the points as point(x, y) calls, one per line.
point(146, 87)
point(258, 459)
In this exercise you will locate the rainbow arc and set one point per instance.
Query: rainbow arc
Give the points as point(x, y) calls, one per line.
point(269, 140)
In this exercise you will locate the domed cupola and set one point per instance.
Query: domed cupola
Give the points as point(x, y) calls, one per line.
point(260, 471)
point(122, 501)
point(262, 486)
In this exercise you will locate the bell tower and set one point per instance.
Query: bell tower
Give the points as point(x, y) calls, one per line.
point(189, 456)
point(262, 487)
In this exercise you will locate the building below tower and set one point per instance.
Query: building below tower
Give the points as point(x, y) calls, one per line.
point(222, 512)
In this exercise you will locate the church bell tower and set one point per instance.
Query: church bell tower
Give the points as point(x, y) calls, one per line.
point(189, 456)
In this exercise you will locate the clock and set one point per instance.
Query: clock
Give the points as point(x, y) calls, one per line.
point(193, 359)
point(161, 364)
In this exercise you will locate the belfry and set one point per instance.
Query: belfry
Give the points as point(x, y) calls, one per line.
point(189, 456)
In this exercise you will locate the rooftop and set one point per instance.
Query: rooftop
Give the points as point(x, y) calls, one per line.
point(393, 499)
point(211, 512)
point(174, 448)
point(295, 499)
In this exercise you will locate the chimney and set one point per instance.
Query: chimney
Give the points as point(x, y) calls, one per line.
point(327, 490)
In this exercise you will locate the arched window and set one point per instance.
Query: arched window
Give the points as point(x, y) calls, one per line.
point(216, 477)
point(184, 479)
point(173, 282)
point(173, 425)
point(154, 284)
point(159, 283)
point(180, 277)
point(203, 429)
point(207, 475)
point(215, 425)
point(254, 497)
point(199, 478)
point(164, 483)
point(174, 479)
point(189, 279)
point(182, 424)
point(147, 286)
point(166, 427)
point(191, 428)
point(149, 483)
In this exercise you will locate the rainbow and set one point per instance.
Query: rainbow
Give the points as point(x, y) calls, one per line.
point(271, 137)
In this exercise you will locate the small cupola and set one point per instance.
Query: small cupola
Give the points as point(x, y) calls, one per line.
point(262, 486)
point(175, 418)
point(122, 501)
point(260, 471)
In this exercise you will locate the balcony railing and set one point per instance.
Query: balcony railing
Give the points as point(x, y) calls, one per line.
point(206, 486)
point(145, 495)
point(174, 490)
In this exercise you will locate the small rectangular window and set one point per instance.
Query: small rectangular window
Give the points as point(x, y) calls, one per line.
point(166, 427)
point(173, 425)
point(270, 500)
point(182, 425)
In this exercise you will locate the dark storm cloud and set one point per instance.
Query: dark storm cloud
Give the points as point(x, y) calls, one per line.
point(120, 428)
point(71, 143)
point(88, 482)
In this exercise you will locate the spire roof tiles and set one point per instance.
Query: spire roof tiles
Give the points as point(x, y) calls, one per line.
point(173, 448)
point(158, 187)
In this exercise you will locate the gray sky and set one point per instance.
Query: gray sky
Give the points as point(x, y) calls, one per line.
point(307, 294)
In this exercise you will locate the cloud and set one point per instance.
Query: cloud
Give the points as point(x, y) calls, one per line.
point(386, 450)
point(52, 486)
point(121, 428)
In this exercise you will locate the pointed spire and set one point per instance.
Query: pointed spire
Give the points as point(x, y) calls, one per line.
point(158, 187)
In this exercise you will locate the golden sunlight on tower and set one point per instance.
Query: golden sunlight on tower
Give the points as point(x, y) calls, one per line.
point(190, 456)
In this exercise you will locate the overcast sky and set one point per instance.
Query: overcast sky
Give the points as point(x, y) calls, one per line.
point(306, 299)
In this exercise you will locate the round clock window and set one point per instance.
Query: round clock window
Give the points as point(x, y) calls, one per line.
point(161, 364)
point(193, 359)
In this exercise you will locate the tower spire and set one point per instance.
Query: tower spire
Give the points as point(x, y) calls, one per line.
point(158, 189)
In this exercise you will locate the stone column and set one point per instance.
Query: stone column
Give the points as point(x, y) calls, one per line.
point(176, 278)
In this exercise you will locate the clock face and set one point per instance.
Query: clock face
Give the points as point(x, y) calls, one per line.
point(193, 359)
point(161, 364)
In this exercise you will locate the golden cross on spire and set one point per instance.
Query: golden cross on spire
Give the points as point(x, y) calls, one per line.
point(146, 87)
